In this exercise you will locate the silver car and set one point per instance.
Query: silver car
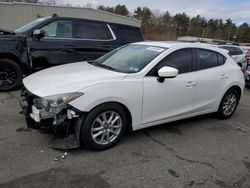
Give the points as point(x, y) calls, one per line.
point(237, 53)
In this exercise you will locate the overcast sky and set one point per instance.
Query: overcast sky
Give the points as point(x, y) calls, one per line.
point(238, 10)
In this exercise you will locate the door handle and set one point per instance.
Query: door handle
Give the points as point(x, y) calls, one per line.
point(223, 76)
point(190, 84)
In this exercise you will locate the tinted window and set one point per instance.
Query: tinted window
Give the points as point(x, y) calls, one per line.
point(221, 59)
point(238, 51)
point(126, 33)
point(181, 60)
point(59, 29)
point(92, 30)
point(233, 50)
point(207, 59)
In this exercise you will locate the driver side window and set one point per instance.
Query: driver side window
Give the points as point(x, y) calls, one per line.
point(180, 59)
point(58, 29)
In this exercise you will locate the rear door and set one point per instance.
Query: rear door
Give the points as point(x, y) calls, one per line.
point(93, 39)
point(212, 79)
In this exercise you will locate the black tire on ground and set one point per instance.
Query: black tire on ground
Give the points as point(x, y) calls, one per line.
point(11, 75)
point(87, 139)
point(221, 113)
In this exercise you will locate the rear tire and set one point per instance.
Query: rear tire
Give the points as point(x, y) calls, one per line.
point(11, 75)
point(228, 104)
point(103, 127)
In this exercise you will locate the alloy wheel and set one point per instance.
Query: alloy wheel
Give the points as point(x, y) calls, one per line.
point(8, 75)
point(106, 127)
point(229, 104)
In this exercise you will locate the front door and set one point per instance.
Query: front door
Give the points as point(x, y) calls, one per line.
point(175, 96)
point(57, 47)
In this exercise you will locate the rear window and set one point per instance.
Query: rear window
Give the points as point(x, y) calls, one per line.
point(92, 30)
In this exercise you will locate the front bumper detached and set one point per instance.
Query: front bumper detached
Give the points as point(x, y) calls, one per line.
point(55, 118)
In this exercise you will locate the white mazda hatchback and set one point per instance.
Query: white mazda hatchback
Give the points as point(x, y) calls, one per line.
point(136, 86)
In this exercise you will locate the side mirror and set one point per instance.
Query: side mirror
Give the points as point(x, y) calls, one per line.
point(38, 34)
point(167, 72)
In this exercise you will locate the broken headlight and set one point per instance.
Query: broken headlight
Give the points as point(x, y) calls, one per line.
point(56, 100)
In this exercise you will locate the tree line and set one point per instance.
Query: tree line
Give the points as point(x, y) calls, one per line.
point(158, 25)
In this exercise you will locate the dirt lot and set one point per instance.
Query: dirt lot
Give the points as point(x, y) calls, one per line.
point(198, 152)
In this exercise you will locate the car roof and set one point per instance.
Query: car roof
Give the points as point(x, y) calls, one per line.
point(170, 44)
point(88, 19)
point(164, 44)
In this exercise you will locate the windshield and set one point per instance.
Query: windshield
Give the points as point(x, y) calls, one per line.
point(129, 59)
point(30, 25)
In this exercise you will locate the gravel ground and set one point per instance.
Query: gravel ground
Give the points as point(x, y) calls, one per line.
point(198, 152)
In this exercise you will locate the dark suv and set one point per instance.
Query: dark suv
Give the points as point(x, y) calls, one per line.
point(55, 40)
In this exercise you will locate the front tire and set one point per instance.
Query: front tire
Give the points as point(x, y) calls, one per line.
point(228, 104)
point(11, 75)
point(104, 126)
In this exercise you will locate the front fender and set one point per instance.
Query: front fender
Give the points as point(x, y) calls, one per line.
point(16, 50)
point(128, 93)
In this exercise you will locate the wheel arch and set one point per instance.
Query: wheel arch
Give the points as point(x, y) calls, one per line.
point(234, 86)
point(126, 109)
point(78, 123)
point(219, 112)
point(237, 89)
point(14, 58)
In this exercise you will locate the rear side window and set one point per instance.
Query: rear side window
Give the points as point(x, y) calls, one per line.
point(221, 59)
point(127, 33)
point(92, 30)
point(181, 60)
point(209, 59)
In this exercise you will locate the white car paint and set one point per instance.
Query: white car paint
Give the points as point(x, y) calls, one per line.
point(69, 78)
point(149, 102)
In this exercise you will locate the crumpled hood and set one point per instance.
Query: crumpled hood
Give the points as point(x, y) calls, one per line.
point(12, 42)
point(68, 78)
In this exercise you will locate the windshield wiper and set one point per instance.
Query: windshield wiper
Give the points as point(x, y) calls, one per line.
point(101, 65)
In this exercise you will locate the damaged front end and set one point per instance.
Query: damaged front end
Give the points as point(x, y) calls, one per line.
point(53, 113)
